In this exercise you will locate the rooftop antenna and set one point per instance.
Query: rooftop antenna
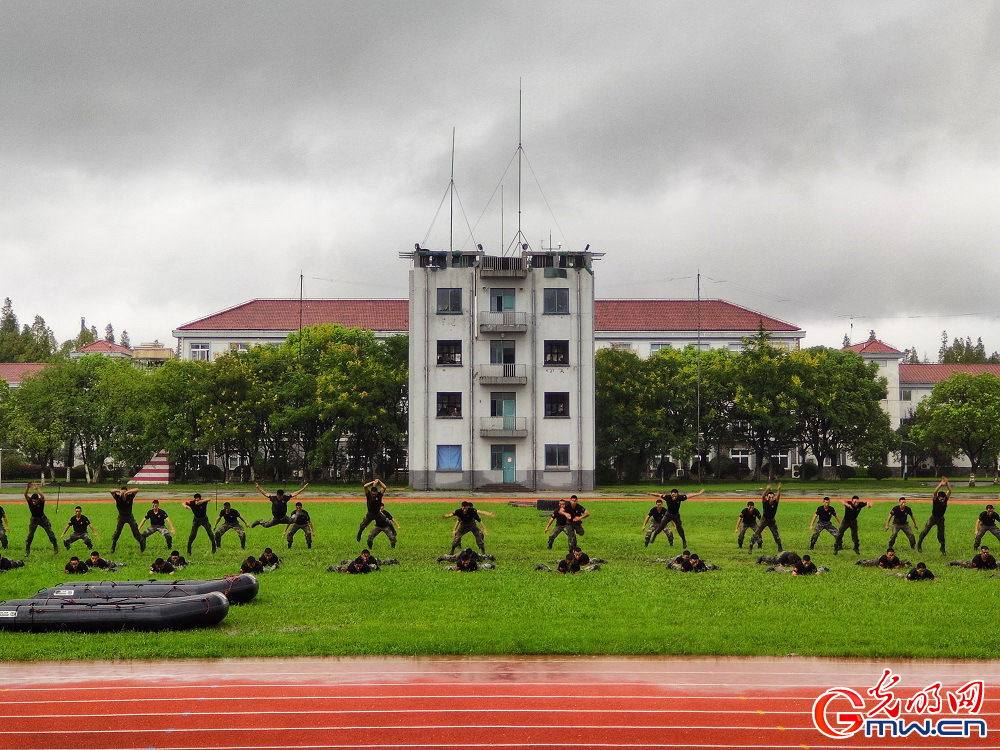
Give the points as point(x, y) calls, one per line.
point(520, 149)
point(451, 197)
point(301, 287)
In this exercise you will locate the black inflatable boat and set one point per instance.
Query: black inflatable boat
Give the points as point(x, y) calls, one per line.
point(91, 614)
point(238, 589)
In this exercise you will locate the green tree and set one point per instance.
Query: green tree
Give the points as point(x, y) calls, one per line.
point(961, 416)
point(109, 333)
point(625, 413)
point(964, 352)
point(763, 408)
point(10, 335)
point(838, 403)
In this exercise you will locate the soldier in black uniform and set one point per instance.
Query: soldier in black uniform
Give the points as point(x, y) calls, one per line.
point(7, 564)
point(821, 520)
point(159, 522)
point(559, 517)
point(467, 562)
point(747, 521)
point(231, 521)
point(852, 508)
point(36, 507)
point(805, 567)
point(984, 560)
point(80, 524)
point(198, 506)
point(251, 565)
point(657, 514)
point(4, 528)
point(177, 560)
point(939, 505)
point(769, 503)
point(279, 506)
point(986, 524)
point(269, 560)
point(889, 560)
point(123, 502)
point(300, 521)
point(467, 518)
point(97, 562)
point(574, 524)
point(919, 573)
point(161, 566)
point(674, 500)
point(374, 491)
point(898, 516)
point(358, 566)
point(384, 523)
point(76, 566)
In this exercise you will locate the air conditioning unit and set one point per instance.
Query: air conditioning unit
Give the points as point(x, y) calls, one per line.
point(796, 470)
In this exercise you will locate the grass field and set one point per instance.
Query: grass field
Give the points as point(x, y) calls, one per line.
point(632, 606)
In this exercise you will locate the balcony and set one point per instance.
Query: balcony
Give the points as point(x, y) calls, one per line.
point(503, 322)
point(503, 374)
point(503, 427)
point(493, 267)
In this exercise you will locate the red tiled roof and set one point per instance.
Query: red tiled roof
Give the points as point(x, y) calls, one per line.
point(15, 372)
point(937, 373)
point(283, 315)
point(103, 347)
point(680, 315)
point(872, 346)
point(393, 315)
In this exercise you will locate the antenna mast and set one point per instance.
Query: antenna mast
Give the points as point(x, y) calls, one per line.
point(451, 190)
point(520, 149)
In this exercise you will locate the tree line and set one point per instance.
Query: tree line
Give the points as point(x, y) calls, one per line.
point(693, 405)
point(37, 342)
point(329, 400)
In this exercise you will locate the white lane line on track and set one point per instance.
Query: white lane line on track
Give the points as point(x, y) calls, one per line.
point(214, 685)
point(332, 712)
point(413, 728)
point(497, 746)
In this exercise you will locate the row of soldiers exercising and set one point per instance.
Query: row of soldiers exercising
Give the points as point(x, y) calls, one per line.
point(568, 519)
point(576, 561)
point(662, 517)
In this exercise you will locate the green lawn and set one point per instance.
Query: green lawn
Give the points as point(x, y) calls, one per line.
point(632, 606)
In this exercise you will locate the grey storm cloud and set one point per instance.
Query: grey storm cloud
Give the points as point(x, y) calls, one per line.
point(831, 164)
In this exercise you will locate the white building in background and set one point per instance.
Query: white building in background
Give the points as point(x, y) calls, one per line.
point(501, 370)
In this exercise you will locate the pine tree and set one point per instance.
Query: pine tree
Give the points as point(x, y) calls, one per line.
point(109, 333)
point(11, 346)
point(125, 341)
point(847, 341)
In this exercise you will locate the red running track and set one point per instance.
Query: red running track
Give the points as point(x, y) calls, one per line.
point(495, 703)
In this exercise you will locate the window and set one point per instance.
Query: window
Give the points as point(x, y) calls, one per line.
point(556, 404)
point(741, 457)
point(197, 460)
point(557, 456)
point(655, 347)
point(555, 301)
point(201, 352)
point(501, 300)
point(501, 352)
point(780, 459)
point(906, 395)
point(235, 461)
point(556, 353)
point(239, 346)
point(449, 404)
point(736, 348)
point(621, 346)
point(449, 458)
point(449, 352)
point(449, 301)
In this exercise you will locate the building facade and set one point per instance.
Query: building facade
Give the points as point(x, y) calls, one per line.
point(501, 370)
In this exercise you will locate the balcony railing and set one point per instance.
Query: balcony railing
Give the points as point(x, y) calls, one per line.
point(503, 374)
point(492, 266)
point(505, 322)
point(509, 427)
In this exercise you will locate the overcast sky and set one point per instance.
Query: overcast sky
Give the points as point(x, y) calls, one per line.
point(832, 164)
